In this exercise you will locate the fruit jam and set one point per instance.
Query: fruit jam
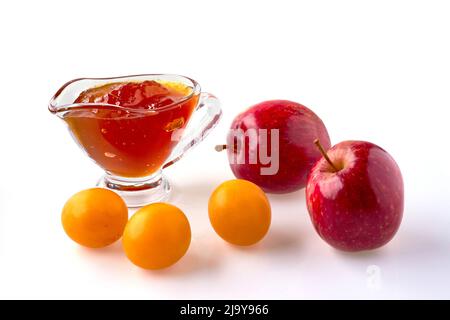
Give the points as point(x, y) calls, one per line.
point(130, 128)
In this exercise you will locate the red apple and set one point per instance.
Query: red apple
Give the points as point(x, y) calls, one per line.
point(355, 196)
point(290, 130)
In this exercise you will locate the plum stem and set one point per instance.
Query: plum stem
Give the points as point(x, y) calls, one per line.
point(325, 155)
point(220, 147)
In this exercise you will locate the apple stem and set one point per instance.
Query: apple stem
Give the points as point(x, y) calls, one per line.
point(325, 155)
point(220, 147)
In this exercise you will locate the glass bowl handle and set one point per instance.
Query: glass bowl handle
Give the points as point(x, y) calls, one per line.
point(204, 118)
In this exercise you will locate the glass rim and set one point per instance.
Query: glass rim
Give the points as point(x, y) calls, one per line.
point(55, 108)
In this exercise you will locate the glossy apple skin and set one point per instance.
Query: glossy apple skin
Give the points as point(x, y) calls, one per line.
point(361, 206)
point(298, 128)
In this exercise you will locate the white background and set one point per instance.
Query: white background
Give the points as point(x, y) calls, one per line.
point(372, 70)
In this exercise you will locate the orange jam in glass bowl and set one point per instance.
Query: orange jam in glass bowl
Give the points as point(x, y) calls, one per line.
point(127, 134)
point(135, 126)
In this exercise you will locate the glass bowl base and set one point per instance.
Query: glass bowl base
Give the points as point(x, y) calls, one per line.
point(138, 192)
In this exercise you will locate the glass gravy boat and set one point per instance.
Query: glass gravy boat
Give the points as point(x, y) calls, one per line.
point(133, 146)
